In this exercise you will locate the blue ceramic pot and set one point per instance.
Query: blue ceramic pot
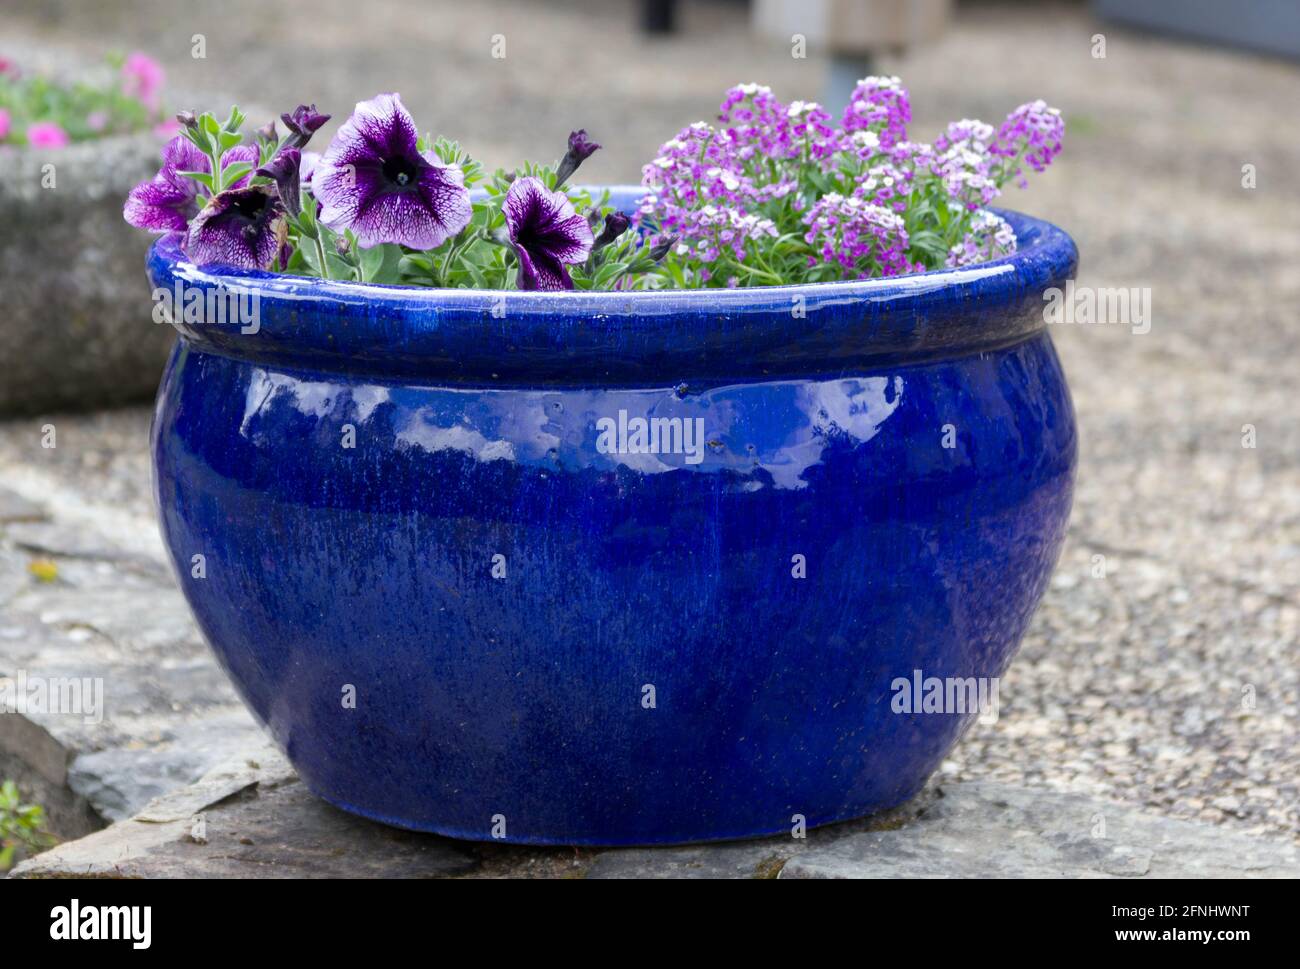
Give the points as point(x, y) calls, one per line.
point(615, 568)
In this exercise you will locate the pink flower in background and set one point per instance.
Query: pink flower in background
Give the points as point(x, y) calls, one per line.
point(96, 120)
point(47, 134)
point(167, 129)
point(4, 124)
point(8, 67)
point(142, 79)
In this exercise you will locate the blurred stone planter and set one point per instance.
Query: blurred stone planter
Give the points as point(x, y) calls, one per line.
point(76, 331)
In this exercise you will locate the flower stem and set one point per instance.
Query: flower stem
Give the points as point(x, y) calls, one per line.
point(320, 253)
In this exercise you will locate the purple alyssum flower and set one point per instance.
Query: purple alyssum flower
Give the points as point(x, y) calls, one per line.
point(241, 227)
point(879, 104)
point(1033, 131)
point(863, 238)
point(302, 123)
point(580, 149)
point(374, 180)
point(990, 236)
point(547, 234)
point(168, 201)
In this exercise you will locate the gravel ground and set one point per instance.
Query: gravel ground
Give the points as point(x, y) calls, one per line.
point(1170, 681)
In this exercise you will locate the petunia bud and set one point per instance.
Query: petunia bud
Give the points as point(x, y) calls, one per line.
point(302, 123)
point(268, 133)
point(616, 224)
point(187, 119)
point(662, 248)
point(341, 245)
point(284, 170)
point(580, 149)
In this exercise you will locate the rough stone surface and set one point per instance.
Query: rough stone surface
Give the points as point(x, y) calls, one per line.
point(14, 508)
point(1164, 674)
point(153, 711)
point(77, 331)
point(987, 830)
point(252, 818)
point(249, 818)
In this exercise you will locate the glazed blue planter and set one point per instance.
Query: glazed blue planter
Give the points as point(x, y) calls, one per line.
point(499, 614)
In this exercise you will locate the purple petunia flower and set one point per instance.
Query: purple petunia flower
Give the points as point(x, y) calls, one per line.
point(580, 149)
point(242, 227)
point(374, 180)
point(307, 169)
point(302, 123)
point(285, 170)
point(169, 200)
point(546, 232)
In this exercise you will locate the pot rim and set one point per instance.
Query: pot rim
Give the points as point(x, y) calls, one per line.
point(491, 337)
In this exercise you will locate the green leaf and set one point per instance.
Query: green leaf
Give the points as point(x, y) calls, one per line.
point(306, 220)
point(390, 270)
point(608, 273)
point(370, 260)
point(338, 268)
point(234, 120)
point(234, 172)
point(203, 178)
point(381, 264)
point(416, 263)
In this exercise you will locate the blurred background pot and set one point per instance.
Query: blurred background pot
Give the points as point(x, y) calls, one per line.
point(415, 529)
point(75, 331)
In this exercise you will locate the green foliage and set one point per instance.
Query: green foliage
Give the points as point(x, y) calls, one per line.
point(83, 110)
point(214, 138)
point(22, 826)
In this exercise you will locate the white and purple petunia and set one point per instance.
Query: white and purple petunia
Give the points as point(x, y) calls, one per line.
point(547, 234)
point(241, 227)
point(374, 180)
point(169, 200)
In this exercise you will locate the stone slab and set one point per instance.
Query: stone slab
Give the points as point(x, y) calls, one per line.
point(989, 830)
point(252, 817)
point(249, 818)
